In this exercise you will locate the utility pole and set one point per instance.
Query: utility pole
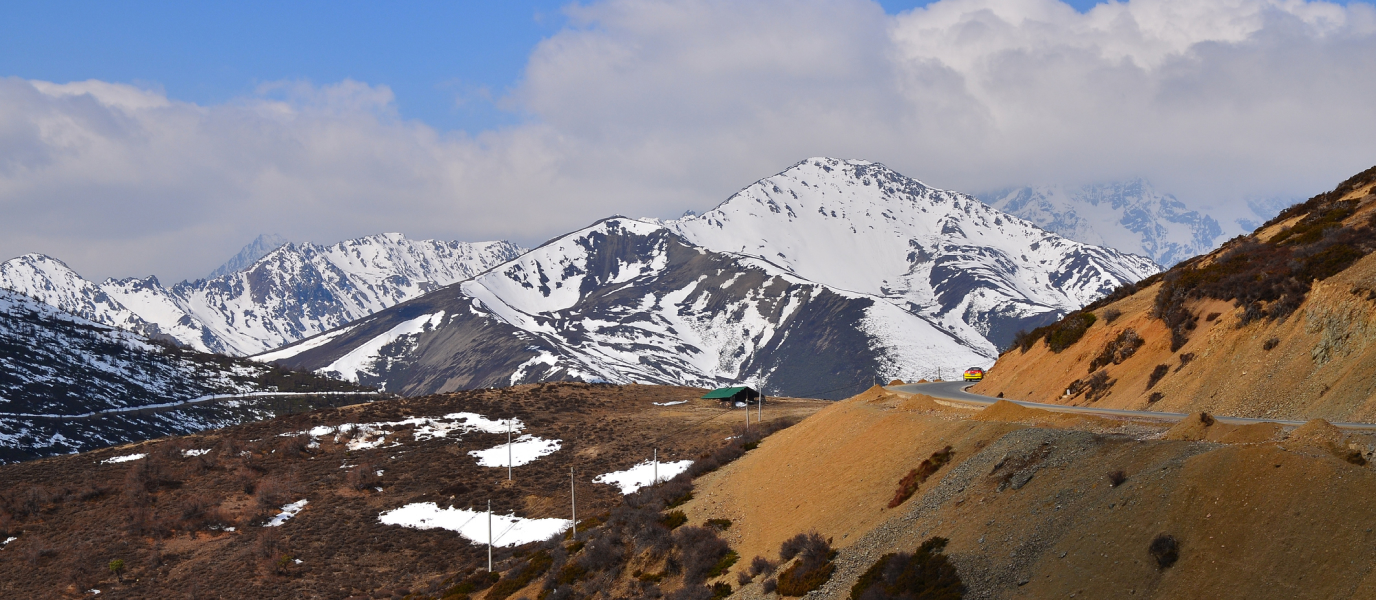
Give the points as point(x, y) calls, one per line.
point(508, 448)
point(573, 505)
point(656, 466)
point(747, 413)
point(759, 416)
point(489, 536)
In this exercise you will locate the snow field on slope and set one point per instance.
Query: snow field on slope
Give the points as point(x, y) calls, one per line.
point(506, 530)
point(523, 450)
point(642, 474)
point(288, 511)
point(364, 436)
point(121, 459)
point(912, 349)
point(361, 358)
point(312, 344)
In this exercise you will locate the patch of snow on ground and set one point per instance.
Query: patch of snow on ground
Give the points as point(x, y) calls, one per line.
point(194, 452)
point(120, 459)
point(7, 541)
point(288, 512)
point(364, 436)
point(676, 402)
point(524, 450)
point(642, 475)
point(507, 530)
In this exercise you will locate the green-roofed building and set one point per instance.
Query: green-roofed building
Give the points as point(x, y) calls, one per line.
point(733, 395)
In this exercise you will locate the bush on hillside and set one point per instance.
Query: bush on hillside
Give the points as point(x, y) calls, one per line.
point(927, 574)
point(518, 578)
point(1060, 335)
point(1165, 550)
point(1156, 375)
point(1118, 350)
point(907, 486)
point(813, 567)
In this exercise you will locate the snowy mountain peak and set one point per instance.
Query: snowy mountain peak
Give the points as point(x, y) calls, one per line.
point(1131, 216)
point(860, 226)
point(250, 254)
point(52, 282)
point(290, 292)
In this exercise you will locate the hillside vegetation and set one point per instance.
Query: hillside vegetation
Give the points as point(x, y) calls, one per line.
point(1275, 324)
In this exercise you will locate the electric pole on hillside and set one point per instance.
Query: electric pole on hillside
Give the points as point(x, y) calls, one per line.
point(508, 447)
point(573, 505)
point(489, 536)
point(656, 467)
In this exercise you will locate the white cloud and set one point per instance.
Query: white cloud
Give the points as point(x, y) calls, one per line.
point(649, 108)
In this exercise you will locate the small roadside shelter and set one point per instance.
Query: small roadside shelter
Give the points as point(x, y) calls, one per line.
point(733, 395)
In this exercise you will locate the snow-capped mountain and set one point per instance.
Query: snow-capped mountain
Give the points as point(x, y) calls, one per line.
point(295, 291)
point(630, 301)
point(69, 384)
point(806, 283)
point(1131, 216)
point(49, 280)
point(859, 226)
point(250, 254)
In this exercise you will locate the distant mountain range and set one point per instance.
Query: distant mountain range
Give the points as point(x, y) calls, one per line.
point(805, 283)
point(290, 292)
point(68, 384)
point(830, 273)
point(1131, 216)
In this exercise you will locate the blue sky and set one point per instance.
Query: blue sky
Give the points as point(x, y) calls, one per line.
point(447, 62)
point(160, 137)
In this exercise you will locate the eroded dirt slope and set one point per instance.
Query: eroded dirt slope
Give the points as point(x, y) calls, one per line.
point(1279, 324)
point(1032, 512)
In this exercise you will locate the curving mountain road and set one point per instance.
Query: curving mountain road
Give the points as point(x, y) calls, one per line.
point(954, 391)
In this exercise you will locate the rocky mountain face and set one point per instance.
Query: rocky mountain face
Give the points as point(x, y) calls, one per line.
point(292, 292)
point(69, 384)
point(1275, 324)
point(1130, 216)
point(808, 283)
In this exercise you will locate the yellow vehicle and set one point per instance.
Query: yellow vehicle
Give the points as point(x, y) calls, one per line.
point(974, 374)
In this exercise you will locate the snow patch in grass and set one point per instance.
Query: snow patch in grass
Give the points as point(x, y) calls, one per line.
point(507, 530)
point(7, 542)
point(676, 402)
point(524, 450)
point(642, 475)
point(191, 453)
point(288, 512)
point(120, 459)
point(366, 436)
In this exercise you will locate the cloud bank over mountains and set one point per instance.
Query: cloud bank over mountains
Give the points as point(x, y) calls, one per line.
point(648, 108)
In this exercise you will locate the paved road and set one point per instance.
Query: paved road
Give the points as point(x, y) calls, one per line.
point(955, 391)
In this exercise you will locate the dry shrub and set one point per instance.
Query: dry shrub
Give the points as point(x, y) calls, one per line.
point(926, 574)
point(907, 486)
point(272, 493)
point(1118, 350)
point(700, 550)
point(516, 579)
point(1094, 388)
point(1270, 344)
point(1060, 335)
point(1156, 375)
point(1184, 360)
point(363, 476)
point(813, 567)
point(293, 446)
point(1165, 550)
point(1117, 478)
point(760, 565)
point(1155, 397)
point(1112, 314)
point(674, 519)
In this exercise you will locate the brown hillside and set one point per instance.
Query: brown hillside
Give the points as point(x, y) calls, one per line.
point(1277, 324)
point(165, 515)
point(1032, 512)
